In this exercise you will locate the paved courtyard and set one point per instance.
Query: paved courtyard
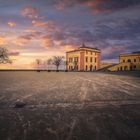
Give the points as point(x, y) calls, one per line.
point(69, 106)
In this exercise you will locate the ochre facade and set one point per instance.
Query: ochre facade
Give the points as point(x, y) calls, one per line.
point(127, 62)
point(83, 59)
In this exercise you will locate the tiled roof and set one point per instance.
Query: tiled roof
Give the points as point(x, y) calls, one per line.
point(83, 47)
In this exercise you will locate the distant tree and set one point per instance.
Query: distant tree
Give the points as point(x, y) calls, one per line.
point(4, 57)
point(57, 60)
point(38, 62)
point(49, 62)
point(45, 63)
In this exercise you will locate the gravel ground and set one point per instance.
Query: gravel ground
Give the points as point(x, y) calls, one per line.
point(69, 106)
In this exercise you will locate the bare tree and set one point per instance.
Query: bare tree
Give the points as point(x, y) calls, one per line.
point(4, 58)
point(57, 60)
point(49, 62)
point(38, 62)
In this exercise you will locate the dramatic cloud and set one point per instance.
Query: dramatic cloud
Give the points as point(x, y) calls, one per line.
point(98, 5)
point(47, 42)
point(112, 52)
point(111, 25)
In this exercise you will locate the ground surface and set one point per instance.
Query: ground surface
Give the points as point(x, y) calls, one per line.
point(69, 106)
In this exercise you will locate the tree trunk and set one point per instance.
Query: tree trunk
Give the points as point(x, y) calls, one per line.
point(57, 68)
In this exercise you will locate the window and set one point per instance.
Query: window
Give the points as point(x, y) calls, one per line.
point(86, 59)
point(134, 60)
point(95, 60)
point(90, 59)
point(70, 59)
point(123, 61)
point(75, 59)
point(128, 60)
point(86, 52)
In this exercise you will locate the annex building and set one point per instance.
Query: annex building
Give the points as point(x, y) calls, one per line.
point(83, 59)
point(127, 62)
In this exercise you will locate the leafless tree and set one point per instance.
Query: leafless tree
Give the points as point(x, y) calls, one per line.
point(57, 60)
point(49, 62)
point(4, 58)
point(38, 62)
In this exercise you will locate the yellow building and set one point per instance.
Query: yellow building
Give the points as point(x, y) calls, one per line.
point(129, 61)
point(83, 59)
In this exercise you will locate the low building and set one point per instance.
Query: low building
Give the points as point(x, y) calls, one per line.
point(83, 59)
point(127, 62)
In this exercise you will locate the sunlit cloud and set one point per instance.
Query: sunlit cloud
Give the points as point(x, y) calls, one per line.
point(12, 24)
point(97, 6)
point(3, 40)
point(39, 23)
point(41, 31)
point(30, 12)
point(47, 42)
point(22, 40)
point(30, 30)
point(69, 47)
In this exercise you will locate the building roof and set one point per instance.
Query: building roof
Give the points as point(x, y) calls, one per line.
point(84, 47)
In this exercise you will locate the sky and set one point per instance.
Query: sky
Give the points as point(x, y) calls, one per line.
point(40, 29)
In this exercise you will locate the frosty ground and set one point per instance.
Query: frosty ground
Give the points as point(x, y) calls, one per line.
point(69, 106)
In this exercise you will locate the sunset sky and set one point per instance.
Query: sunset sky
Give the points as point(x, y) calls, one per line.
point(32, 29)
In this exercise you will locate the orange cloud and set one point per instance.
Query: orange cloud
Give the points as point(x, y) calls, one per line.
point(47, 42)
point(69, 47)
point(39, 23)
point(30, 12)
point(30, 31)
point(49, 26)
point(2, 40)
point(23, 40)
point(11, 24)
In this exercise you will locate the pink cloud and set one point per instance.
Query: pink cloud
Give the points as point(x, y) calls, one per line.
point(39, 23)
point(14, 53)
point(30, 12)
point(3, 40)
point(47, 42)
point(95, 5)
point(11, 24)
point(23, 40)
